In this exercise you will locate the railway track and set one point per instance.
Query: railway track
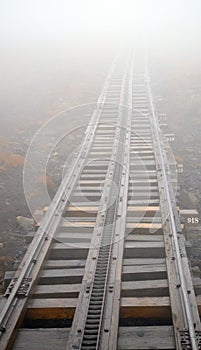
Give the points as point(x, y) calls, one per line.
point(108, 268)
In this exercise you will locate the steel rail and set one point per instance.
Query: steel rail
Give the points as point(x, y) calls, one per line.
point(171, 216)
point(45, 233)
point(103, 341)
point(87, 327)
point(110, 322)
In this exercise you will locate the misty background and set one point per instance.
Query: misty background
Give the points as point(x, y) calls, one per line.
point(57, 53)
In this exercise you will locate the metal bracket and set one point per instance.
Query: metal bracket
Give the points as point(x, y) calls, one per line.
point(185, 342)
point(10, 287)
point(23, 289)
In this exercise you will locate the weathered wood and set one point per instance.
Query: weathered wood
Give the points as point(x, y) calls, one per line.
point(65, 264)
point(58, 309)
point(41, 339)
point(143, 228)
point(52, 307)
point(83, 208)
point(49, 309)
point(73, 223)
point(72, 237)
point(64, 251)
point(136, 308)
point(148, 288)
point(130, 338)
point(139, 288)
point(144, 201)
point(145, 261)
point(79, 250)
point(144, 272)
point(80, 210)
point(149, 188)
point(143, 219)
point(143, 338)
point(144, 212)
point(66, 226)
point(142, 249)
point(144, 238)
point(145, 308)
point(61, 276)
point(57, 291)
point(77, 197)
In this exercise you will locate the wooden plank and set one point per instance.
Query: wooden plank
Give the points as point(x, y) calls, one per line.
point(79, 250)
point(61, 276)
point(93, 195)
point(143, 338)
point(50, 309)
point(80, 220)
point(143, 211)
point(57, 291)
point(84, 212)
point(147, 226)
point(73, 236)
point(148, 288)
point(144, 238)
point(41, 339)
point(144, 272)
point(144, 261)
point(134, 219)
point(144, 228)
point(65, 264)
point(143, 249)
point(154, 307)
point(145, 245)
point(136, 308)
point(128, 244)
point(130, 338)
point(83, 208)
point(147, 201)
point(64, 251)
point(149, 188)
point(78, 224)
point(138, 288)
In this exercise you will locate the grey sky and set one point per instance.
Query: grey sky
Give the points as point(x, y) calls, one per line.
point(53, 19)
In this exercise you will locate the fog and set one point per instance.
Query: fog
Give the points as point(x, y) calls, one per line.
point(81, 20)
point(53, 50)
